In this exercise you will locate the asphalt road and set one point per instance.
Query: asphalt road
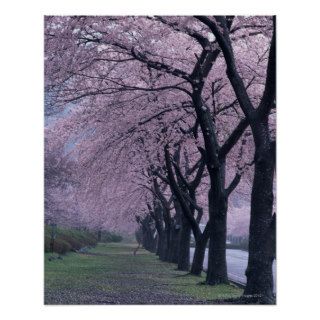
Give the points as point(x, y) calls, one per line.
point(236, 263)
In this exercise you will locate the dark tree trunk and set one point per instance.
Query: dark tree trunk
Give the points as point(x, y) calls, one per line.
point(153, 244)
point(261, 242)
point(174, 242)
point(217, 267)
point(147, 232)
point(160, 239)
point(198, 258)
point(167, 243)
point(217, 263)
point(158, 219)
point(163, 210)
point(156, 239)
point(148, 241)
point(184, 245)
point(163, 247)
point(158, 245)
point(145, 242)
point(175, 233)
point(99, 236)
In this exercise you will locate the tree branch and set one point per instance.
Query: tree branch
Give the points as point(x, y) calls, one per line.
point(233, 138)
point(233, 184)
point(160, 66)
point(232, 73)
point(185, 208)
point(268, 98)
point(180, 175)
point(196, 181)
point(197, 36)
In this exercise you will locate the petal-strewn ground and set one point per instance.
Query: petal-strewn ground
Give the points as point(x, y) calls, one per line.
point(111, 274)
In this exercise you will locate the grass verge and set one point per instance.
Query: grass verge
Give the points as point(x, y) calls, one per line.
point(110, 274)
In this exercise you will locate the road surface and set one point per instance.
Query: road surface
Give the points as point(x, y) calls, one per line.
point(236, 263)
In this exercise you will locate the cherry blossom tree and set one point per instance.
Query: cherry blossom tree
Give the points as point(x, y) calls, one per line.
point(259, 271)
point(132, 90)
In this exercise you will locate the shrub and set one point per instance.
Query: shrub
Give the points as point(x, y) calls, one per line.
point(68, 239)
point(60, 246)
point(74, 243)
point(107, 236)
point(91, 239)
point(47, 243)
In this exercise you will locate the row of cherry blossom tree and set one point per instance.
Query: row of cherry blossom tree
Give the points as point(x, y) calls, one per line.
point(158, 120)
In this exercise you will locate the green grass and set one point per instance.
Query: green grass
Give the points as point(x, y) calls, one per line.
point(114, 270)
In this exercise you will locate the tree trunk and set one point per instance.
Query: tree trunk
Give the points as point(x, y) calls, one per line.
point(218, 205)
point(99, 236)
point(184, 245)
point(145, 242)
point(158, 245)
point(176, 230)
point(198, 258)
point(163, 246)
point(148, 241)
point(261, 244)
point(217, 266)
point(217, 263)
point(160, 239)
point(153, 243)
point(167, 243)
point(158, 219)
point(174, 242)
